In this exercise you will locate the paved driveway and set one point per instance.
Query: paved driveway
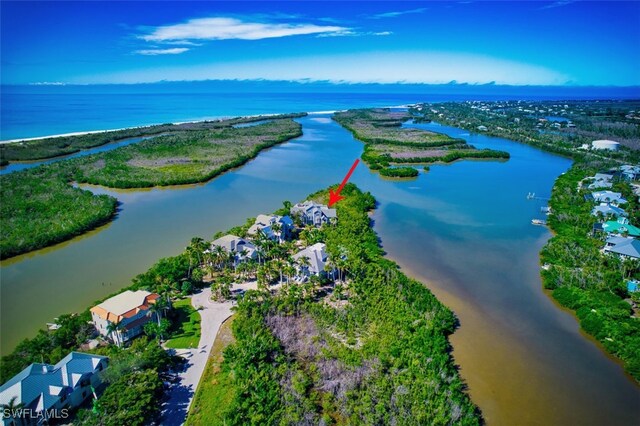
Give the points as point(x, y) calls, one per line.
point(180, 395)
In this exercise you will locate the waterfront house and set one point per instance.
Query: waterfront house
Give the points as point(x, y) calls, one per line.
point(482, 128)
point(606, 209)
point(46, 391)
point(265, 224)
point(239, 248)
point(313, 213)
point(316, 259)
point(630, 172)
point(619, 227)
point(625, 247)
point(128, 311)
point(614, 198)
point(601, 180)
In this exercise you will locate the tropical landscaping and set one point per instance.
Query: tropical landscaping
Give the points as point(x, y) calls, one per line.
point(368, 348)
point(185, 326)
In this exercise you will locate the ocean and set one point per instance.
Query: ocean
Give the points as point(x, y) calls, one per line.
point(35, 111)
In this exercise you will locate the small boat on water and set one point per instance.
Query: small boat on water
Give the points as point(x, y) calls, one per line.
point(531, 195)
point(538, 222)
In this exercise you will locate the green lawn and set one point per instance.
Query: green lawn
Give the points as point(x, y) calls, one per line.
point(185, 326)
point(215, 391)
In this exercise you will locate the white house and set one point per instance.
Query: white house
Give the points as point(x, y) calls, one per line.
point(623, 246)
point(129, 310)
point(614, 198)
point(607, 209)
point(240, 248)
point(46, 390)
point(316, 256)
point(601, 180)
point(313, 213)
point(630, 172)
point(265, 223)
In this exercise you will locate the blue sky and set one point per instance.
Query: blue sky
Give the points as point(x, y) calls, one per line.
point(520, 43)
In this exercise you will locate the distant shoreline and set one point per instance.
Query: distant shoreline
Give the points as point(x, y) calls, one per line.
point(90, 132)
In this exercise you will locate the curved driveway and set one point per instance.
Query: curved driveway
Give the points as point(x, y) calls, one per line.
point(180, 395)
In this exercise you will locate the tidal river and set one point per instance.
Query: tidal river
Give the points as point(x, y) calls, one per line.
point(464, 229)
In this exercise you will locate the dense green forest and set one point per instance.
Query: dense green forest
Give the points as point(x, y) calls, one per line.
point(40, 207)
point(579, 275)
point(401, 172)
point(388, 143)
point(371, 350)
point(38, 149)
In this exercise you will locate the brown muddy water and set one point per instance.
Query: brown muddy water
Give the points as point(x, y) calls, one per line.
point(463, 229)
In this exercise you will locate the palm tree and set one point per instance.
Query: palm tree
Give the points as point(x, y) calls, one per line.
point(330, 266)
point(14, 410)
point(199, 245)
point(262, 277)
point(164, 289)
point(289, 271)
point(277, 230)
point(220, 254)
point(303, 263)
point(113, 329)
point(242, 269)
point(242, 255)
point(279, 266)
point(157, 309)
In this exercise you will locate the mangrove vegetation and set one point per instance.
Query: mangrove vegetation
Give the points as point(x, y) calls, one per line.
point(43, 205)
point(387, 143)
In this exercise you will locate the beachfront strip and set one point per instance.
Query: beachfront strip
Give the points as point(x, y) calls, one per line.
point(44, 391)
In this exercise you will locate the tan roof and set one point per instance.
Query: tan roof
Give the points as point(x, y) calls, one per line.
point(124, 305)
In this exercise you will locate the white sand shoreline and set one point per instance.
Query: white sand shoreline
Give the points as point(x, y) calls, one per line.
point(89, 132)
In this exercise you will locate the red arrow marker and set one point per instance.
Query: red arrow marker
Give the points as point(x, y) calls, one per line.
point(334, 197)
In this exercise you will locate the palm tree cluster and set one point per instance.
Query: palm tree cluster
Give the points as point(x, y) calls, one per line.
point(273, 262)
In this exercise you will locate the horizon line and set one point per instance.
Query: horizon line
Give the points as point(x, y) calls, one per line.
point(315, 82)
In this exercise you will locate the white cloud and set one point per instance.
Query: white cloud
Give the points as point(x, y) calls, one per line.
point(350, 33)
point(232, 28)
point(398, 13)
point(376, 67)
point(155, 52)
point(557, 4)
point(181, 43)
